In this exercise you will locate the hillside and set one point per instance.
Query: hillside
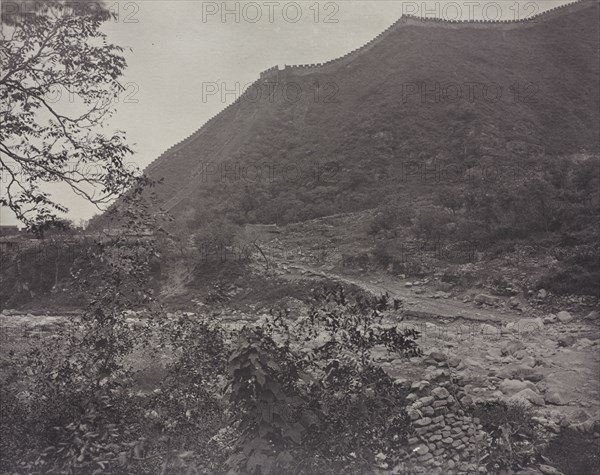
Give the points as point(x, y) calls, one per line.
point(283, 158)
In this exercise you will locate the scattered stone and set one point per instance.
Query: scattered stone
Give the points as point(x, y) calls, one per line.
point(511, 347)
point(550, 318)
point(542, 294)
point(566, 340)
point(438, 356)
point(555, 399)
point(530, 374)
point(513, 386)
point(487, 299)
point(564, 316)
point(441, 295)
point(521, 372)
point(529, 361)
point(454, 362)
point(528, 396)
point(593, 315)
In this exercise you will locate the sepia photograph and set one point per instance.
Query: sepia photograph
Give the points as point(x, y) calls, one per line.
point(300, 237)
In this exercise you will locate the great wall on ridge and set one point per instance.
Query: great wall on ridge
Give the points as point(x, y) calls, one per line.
point(404, 21)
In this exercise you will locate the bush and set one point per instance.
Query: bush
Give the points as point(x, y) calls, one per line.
point(309, 394)
point(576, 275)
point(513, 435)
point(431, 223)
point(574, 453)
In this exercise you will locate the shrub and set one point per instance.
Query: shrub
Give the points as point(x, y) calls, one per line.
point(307, 395)
point(576, 275)
point(574, 453)
point(513, 435)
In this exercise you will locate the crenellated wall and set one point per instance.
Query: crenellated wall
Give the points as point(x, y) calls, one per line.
point(413, 20)
point(175, 148)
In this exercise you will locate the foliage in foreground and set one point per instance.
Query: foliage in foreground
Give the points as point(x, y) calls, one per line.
point(299, 397)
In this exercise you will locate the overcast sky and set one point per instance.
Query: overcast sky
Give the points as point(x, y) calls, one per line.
point(179, 45)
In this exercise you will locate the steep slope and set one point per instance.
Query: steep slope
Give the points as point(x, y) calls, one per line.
point(423, 93)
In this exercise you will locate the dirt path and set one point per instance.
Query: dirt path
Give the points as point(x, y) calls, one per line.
point(415, 305)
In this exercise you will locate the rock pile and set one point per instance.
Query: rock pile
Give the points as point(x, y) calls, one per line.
point(445, 439)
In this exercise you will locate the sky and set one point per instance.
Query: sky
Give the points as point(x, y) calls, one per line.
point(188, 58)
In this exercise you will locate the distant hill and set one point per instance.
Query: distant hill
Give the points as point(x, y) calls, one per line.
point(369, 128)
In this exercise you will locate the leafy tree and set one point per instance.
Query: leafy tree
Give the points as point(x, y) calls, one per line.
point(57, 86)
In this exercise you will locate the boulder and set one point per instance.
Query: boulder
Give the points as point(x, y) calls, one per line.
point(528, 396)
point(437, 356)
point(454, 361)
point(529, 361)
point(511, 387)
point(555, 399)
point(564, 316)
point(511, 347)
point(593, 315)
point(584, 342)
point(542, 294)
point(530, 374)
point(566, 340)
point(520, 372)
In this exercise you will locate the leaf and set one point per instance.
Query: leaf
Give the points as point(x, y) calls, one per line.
point(284, 458)
point(295, 433)
point(273, 365)
point(260, 376)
